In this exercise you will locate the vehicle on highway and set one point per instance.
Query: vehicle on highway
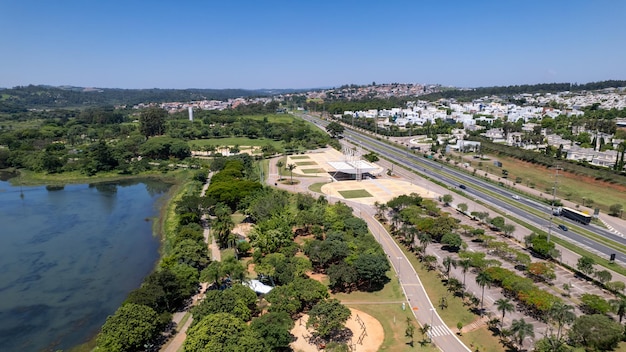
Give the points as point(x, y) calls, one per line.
point(462, 187)
point(575, 215)
point(563, 227)
point(515, 196)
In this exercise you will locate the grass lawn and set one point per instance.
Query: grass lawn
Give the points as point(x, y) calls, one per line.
point(312, 171)
point(298, 157)
point(317, 187)
point(390, 315)
point(240, 141)
point(571, 187)
point(355, 193)
point(272, 118)
point(456, 311)
point(305, 163)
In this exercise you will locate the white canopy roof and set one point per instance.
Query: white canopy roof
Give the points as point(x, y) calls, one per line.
point(258, 287)
point(350, 167)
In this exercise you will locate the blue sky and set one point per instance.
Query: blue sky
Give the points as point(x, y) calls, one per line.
point(306, 44)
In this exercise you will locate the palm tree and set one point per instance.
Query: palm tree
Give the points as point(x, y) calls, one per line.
point(483, 279)
point(522, 329)
point(504, 305)
point(424, 330)
point(619, 307)
point(280, 164)
point(447, 263)
point(561, 314)
point(425, 240)
point(290, 167)
point(381, 208)
point(410, 237)
point(465, 265)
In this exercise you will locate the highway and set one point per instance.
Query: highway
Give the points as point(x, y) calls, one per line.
point(480, 189)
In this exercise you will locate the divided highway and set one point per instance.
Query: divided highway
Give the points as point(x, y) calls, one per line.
point(478, 189)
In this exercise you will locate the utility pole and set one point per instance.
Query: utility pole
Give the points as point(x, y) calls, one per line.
point(556, 180)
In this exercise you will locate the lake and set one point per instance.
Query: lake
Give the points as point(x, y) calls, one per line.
point(69, 256)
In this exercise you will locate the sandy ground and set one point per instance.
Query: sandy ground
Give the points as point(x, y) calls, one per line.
point(371, 341)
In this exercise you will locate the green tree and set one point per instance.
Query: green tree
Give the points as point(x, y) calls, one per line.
point(449, 262)
point(508, 229)
point(191, 252)
point(465, 265)
point(615, 209)
point(291, 167)
point(342, 276)
point(152, 121)
point(504, 305)
point(521, 329)
point(483, 279)
point(594, 304)
point(462, 207)
point(561, 314)
point(372, 268)
point(452, 240)
point(447, 199)
point(596, 332)
point(129, 329)
point(618, 306)
point(603, 276)
point(327, 317)
point(222, 332)
point(334, 129)
point(221, 301)
point(585, 265)
point(410, 330)
point(274, 329)
point(497, 222)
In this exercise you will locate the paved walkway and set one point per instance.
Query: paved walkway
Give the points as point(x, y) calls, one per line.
point(175, 344)
point(213, 247)
point(425, 314)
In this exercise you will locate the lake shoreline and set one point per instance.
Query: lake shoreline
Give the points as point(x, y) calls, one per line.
point(23, 177)
point(179, 181)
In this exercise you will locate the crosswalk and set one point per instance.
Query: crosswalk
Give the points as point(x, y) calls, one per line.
point(611, 229)
point(439, 330)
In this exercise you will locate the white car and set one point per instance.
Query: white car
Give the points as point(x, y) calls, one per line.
point(515, 196)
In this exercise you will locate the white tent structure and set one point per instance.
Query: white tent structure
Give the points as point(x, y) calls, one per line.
point(355, 167)
point(258, 287)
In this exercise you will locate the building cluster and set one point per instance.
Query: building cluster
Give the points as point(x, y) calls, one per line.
point(376, 91)
point(532, 109)
point(536, 107)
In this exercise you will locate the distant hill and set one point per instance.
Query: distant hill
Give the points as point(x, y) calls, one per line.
point(29, 97)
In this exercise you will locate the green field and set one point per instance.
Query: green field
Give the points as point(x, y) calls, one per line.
point(570, 187)
point(481, 339)
point(317, 187)
point(232, 141)
point(355, 193)
point(272, 118)
point(305, 163)
point(297, 157)
point(385, 305)
point(312, 171)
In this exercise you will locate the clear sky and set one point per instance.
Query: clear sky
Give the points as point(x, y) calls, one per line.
point(306, 44)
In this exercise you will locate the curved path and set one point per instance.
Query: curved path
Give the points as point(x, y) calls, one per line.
point(414, 291)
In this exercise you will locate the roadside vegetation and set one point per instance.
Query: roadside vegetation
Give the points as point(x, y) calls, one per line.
point(491, 261)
